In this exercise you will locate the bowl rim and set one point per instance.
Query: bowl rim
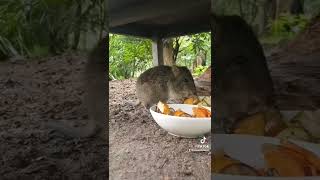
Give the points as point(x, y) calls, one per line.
point(178, 117)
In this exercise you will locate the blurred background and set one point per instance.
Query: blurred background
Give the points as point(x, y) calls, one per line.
point(39, 28)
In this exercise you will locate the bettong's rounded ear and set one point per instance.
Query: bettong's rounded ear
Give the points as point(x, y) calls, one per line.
point(175, 70)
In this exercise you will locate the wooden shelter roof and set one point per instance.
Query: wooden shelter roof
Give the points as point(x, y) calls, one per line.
point(159, 18)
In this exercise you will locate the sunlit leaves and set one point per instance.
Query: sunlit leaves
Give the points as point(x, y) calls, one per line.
point(129, 56)
point(191, 47)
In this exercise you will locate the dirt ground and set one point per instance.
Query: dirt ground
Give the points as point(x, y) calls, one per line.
point(295, 70)
point(35, 91)
point(140, 149)
point(31, 93)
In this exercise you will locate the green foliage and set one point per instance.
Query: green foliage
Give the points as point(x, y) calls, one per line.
point(200, 42)
point(288, 25)
point(39, 27)
point(284, 28)
point(191, 46)
point(39, 51)
point(6, 48)
point(128, 56)
point(199, 70)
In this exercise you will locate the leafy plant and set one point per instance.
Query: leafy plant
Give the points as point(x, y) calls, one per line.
point(199, 70)
point(128, 56)
point(193, 45)
point(284, 28)
point(288, 25)
point(53, 26)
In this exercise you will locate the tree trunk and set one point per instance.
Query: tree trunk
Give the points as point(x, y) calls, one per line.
point(176, 49)
point(77, 31)
point(200, 60)
point(194, 65)
point(273, 9)
point(262, 16)
point(296, 7)
point(53, 42)
point(168, 52)
point(205, 58)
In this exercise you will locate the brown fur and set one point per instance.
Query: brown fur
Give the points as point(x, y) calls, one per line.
point(241, 79)
point(161, 83)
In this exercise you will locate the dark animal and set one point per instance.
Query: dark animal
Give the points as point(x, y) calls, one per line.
point(161, 83)
point(241, 80)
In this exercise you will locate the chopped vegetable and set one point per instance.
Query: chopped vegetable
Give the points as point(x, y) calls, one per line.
point(164, 108)
point(192, 101)
point(254, 125)
point(201, 112)
point(284, 160)
point(198, 112)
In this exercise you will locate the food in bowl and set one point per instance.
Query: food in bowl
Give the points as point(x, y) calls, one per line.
point(191, 101)
point(254, 124)
point(164, 108)
point(284, 160)
point(201, 100)
point(201, 112)
point(278, 124)
point(225, 164)
point(197, 112)
point(187, 127)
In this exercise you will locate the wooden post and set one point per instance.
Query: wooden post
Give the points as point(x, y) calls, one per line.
point(157, 52)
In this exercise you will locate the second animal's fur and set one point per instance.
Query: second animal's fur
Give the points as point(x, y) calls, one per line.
point(241, 79)
point(161, 83)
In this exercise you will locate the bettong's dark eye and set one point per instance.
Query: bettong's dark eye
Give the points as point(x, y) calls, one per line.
point(239, 60)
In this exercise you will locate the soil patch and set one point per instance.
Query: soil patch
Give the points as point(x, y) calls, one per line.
point(31, 93)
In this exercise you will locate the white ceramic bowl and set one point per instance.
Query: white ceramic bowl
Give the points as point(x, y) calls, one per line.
point(188, 127)
point(248, 149)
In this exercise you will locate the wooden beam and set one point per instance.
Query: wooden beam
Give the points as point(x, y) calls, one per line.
point(182, 29)
point(154, 9)
point(134, 30)
point(157, 52)
point(161, 31)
